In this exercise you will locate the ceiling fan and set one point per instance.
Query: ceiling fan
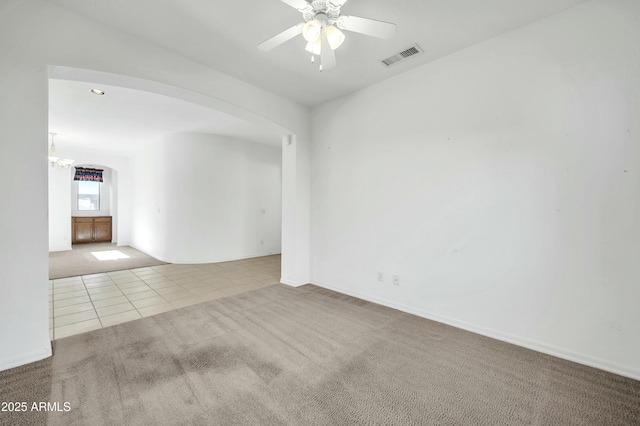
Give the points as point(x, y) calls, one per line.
point(321, 29)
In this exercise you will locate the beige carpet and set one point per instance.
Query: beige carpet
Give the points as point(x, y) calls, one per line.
point(80, 261)
point(308, 356)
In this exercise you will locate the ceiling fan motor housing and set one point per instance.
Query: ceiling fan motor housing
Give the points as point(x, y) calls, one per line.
point(330, 11)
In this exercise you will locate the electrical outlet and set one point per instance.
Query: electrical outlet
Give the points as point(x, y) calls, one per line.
point(396, 280)
point(380, 276)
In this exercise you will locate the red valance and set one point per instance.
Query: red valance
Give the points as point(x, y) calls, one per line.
point(90, 175)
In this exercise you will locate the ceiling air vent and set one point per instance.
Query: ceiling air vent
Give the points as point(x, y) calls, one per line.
point(402, 56)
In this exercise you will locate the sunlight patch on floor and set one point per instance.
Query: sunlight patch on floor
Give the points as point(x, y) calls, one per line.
point(109, 255)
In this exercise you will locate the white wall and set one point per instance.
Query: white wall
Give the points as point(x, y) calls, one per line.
point(59, 210)
point(296, 206)
point(501, 184)
point(203, 198)
point(35, 35)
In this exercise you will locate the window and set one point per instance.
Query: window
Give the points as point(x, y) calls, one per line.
point(88, 196)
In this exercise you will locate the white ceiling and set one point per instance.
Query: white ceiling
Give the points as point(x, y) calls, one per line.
point(224, 34)
point(124, 120)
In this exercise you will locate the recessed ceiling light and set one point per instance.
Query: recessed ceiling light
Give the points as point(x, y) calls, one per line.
point(97, 92)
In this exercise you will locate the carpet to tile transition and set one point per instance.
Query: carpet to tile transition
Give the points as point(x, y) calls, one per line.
point(308, 356)
point(80, 261)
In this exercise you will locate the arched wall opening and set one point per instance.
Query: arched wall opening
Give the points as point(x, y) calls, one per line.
point(152, 213)
point(40, 37)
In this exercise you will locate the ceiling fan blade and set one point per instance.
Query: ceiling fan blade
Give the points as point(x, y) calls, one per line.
point(327, 55)
point(278, 39)
point(367, 26)
point(297, 4)
point(338, 3)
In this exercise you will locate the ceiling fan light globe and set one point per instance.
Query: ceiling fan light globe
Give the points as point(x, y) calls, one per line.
point(314, 47)
point(335, 37)
point(312, 30)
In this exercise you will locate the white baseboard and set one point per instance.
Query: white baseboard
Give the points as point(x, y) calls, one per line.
point(292, 283)
point(60, 248)
point(27, 358)
point(199, 262)
point(542, 347)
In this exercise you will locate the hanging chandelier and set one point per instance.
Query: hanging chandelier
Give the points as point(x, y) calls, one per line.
point(54, 160)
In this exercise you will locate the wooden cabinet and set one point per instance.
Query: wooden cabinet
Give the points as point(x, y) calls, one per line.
point(90, 229)
point(81, 230)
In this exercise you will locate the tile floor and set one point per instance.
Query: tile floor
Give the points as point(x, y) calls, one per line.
point(88, 302)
